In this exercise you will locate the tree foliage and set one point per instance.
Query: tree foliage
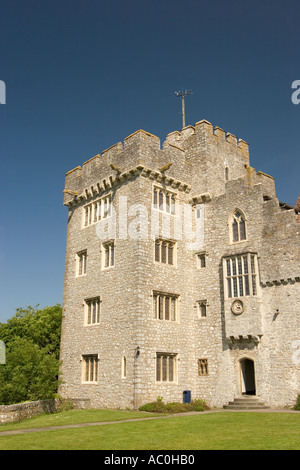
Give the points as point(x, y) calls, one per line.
point(32, 340)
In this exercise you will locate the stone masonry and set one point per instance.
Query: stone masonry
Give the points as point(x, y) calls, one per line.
point(182, 274)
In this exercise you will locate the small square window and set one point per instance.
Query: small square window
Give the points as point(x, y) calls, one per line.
point(201, 260)
point(202, 308)
point(202, 367)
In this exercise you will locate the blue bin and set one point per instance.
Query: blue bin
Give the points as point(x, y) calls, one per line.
point(186, 396)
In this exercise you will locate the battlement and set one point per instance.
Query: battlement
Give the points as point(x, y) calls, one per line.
point(196, 149)
point(141, 134)
point(176, 139)
point(137, 139)
point(204, 128)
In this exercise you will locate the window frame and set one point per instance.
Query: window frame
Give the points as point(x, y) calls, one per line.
point(226, 173)
point(203, 366)
point(90, 213)
point(161, 308)
point(159, 370)
point(200, 256)
point(90, 365)
point(200, 310)
point(159, 241)
point(124, 368)
point(111, 247)
point(89, 311)
point(81, 257)
point(164, 200)
point(234, 221)
point(241, 279)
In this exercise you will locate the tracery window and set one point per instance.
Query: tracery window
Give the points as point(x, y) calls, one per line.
point(238, 226)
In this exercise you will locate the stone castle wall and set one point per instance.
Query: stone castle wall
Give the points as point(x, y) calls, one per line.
point(210, 175)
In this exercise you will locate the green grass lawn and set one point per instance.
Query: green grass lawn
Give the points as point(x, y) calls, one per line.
point(76, 417)
point(215, 431)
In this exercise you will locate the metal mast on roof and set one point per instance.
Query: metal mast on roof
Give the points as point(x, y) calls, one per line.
point(183, 94)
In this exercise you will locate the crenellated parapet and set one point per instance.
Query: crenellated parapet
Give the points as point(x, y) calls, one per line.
point(112, 165)
point(204, 129)
point(203, 155)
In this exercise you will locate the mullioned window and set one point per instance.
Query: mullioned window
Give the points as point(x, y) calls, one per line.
point(164, 200)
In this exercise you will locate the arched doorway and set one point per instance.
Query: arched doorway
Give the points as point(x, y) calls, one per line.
point(248, 377)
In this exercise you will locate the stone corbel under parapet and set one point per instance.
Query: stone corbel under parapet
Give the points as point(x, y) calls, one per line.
point(244, 339)
point(168, 181)
point(115, 180)
point(278, 282)
point(200, 199)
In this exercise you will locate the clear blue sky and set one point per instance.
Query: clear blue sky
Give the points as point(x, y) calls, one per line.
point(82, 75)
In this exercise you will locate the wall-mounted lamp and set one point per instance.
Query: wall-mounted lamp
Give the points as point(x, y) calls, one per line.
point(137, 352)
point(276, 314)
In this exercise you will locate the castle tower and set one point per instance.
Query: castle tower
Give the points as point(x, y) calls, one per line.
point(182, 273)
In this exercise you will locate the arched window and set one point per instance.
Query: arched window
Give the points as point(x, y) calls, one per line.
point(124, 367)
point(226, 173)
point(238, 226)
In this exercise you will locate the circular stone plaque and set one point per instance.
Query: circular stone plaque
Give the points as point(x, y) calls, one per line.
point(237, 307)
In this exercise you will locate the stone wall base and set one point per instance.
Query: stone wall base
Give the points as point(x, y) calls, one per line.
point(15, 413)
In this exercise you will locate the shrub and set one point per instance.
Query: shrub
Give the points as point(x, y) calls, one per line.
point(159, 406)
point(297, 406)
point(154, 407)
point(32, 339)
point(176, 407)
point(200, 405)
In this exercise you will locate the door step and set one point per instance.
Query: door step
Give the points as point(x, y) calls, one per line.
point(247, 402)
